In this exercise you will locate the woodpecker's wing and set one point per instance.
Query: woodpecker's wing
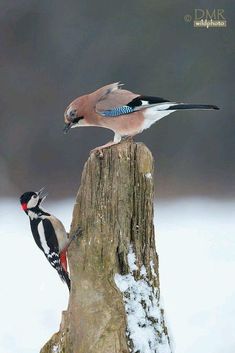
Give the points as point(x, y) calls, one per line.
point(51, 248)
point(55, 260)
point(61, 234)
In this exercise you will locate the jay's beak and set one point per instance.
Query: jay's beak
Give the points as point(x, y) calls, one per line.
point(67, 127)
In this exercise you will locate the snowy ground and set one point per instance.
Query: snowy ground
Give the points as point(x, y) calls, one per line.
point(196, 245)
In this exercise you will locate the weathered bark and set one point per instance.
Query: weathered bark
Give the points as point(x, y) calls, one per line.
point(114, 207)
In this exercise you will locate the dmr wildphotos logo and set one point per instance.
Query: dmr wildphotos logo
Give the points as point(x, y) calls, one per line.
point(207, 18)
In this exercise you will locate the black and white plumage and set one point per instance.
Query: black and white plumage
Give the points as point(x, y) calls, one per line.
point(48, 232)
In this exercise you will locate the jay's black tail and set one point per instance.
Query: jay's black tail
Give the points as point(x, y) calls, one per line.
point(192, 106)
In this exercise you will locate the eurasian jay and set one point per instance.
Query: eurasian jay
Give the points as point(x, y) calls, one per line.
point(123, 112)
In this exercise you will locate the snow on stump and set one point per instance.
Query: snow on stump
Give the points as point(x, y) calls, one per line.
point(114, 305)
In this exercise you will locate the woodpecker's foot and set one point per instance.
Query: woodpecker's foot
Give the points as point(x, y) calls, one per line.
point(99, 149)
point(77, 233)
point(73, 237)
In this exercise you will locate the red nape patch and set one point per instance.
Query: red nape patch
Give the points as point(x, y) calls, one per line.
point(63, 260)
point(24, 206)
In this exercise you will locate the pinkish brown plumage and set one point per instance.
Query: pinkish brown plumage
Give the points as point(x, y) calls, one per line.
point(123, 112)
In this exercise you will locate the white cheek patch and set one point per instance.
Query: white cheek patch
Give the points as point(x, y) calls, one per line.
point(33, 202)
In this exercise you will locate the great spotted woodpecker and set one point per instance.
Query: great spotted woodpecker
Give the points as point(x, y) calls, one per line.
point(48, 232)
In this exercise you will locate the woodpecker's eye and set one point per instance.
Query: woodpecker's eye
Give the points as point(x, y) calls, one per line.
point(34, 196)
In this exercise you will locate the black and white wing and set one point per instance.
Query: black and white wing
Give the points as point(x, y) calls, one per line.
point(50, 246)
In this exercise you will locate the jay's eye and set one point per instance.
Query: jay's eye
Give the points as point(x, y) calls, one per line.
point(72, 114)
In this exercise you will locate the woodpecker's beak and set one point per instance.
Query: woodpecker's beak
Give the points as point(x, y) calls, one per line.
point(67, 127)
point(41, 191)
point(42, 197)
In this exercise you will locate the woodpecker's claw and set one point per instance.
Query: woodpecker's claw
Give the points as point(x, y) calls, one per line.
point(77, 233)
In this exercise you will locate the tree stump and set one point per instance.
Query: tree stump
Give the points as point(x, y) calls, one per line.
point(114, 305)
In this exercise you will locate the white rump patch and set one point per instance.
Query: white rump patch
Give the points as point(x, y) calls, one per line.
point(153, 114)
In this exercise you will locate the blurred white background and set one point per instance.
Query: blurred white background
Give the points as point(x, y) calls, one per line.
point(196, 246)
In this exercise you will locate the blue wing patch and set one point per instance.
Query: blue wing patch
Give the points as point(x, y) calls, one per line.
point(125, 109)
point(138, 103)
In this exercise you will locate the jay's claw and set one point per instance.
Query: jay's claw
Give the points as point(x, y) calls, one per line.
point(99, 149)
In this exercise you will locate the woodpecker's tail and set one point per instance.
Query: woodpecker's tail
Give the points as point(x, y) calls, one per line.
point(64, 276)
point(182, 106)
point(60, 266)
point(63, 268)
